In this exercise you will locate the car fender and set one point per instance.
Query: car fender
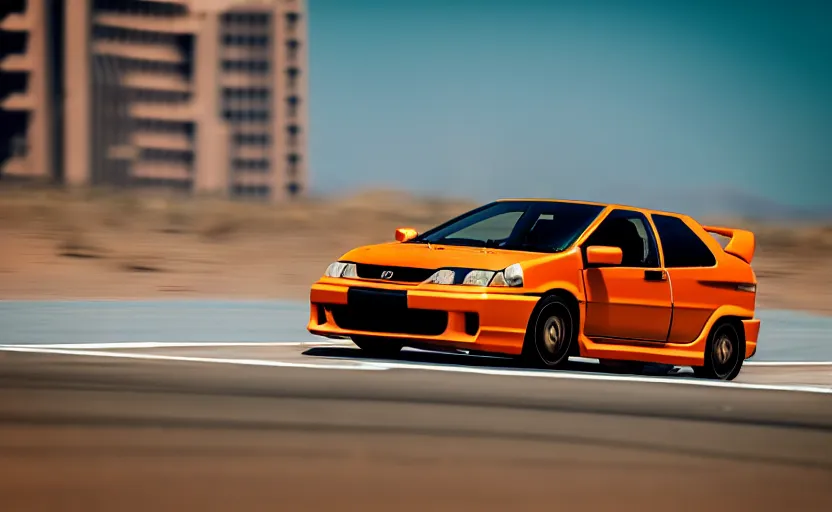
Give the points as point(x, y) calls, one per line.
point(726, 311)
point(560, 272)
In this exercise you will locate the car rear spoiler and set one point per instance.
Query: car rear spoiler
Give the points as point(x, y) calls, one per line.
point(742, 243)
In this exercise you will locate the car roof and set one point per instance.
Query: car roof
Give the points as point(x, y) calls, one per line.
point(605, 205)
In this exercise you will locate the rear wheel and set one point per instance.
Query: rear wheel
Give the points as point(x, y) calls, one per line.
point(724, 353)
point(378, 347)
point(551, 334)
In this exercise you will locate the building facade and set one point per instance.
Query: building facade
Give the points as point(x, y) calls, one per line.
point(207, 96)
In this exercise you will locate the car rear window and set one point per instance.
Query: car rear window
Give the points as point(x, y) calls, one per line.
point(682, 247)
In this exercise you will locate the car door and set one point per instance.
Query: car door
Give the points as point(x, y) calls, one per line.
point(687, 260)
point(631, 300)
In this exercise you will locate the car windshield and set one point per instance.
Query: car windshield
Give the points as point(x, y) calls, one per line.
point(534, 226)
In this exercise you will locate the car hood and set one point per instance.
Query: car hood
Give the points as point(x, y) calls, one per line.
point(417, 255)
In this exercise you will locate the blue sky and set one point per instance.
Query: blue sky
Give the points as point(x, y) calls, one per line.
point(572, 99)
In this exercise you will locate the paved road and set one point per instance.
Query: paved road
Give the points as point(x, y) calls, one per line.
point(786, 335)
point(93, 433)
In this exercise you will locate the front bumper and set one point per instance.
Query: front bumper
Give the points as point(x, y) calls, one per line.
point(469, 320)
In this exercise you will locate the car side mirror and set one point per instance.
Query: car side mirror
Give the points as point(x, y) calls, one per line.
point(602, 255)
point(405, 234)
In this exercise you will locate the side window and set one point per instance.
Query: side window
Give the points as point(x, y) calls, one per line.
point(629, 231)
point(497, 227)
point(681, 246)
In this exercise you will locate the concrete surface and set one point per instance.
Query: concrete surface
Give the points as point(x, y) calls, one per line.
point(91, 433)
point(785, 335)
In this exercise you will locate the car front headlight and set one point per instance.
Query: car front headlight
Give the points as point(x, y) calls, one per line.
point(340, 269)
point(478, 277)
point(511, 276)
point(443, 276)
point(514, 275)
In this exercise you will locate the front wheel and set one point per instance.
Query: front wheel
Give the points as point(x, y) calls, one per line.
point(724, 353)
point(551, 334)
point(378, 347)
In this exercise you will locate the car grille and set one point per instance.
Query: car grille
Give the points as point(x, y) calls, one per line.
point(386, 311)
point(400, 274)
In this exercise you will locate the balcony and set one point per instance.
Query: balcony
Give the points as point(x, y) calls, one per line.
point(165, 25)
point(244, 79)
point(246, 53)
point(136, 51)
point(173, 142)
point(173, 171)
point(16, 166)
point(16, 23)
point(21, 102)
point(171, 83)
point(163, 111)
point(20, 63)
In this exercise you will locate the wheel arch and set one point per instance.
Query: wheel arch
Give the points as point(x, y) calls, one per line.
point(574, 306)
point(735, 321)
point(726, 312)
point(733, 314)
point(567, 296)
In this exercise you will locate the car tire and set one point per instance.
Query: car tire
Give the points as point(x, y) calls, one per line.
point(724, 353)
point(378, 347)
point(551, 334)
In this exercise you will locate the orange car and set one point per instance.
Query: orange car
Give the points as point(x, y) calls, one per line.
point(546, 280)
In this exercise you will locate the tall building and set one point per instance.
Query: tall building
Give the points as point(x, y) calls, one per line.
point(27, 90)
point(200, 95)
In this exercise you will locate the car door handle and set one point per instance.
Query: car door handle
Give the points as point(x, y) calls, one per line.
point(655, 275)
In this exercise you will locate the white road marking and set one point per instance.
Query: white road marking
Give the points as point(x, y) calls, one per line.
point(323, 343)
point(359, 365)
point(153, 344)
point(389, 365)
point(788, 363)
point(555, 374)
point(747, 363)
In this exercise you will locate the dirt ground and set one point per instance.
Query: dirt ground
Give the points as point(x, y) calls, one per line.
point(95, 244)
